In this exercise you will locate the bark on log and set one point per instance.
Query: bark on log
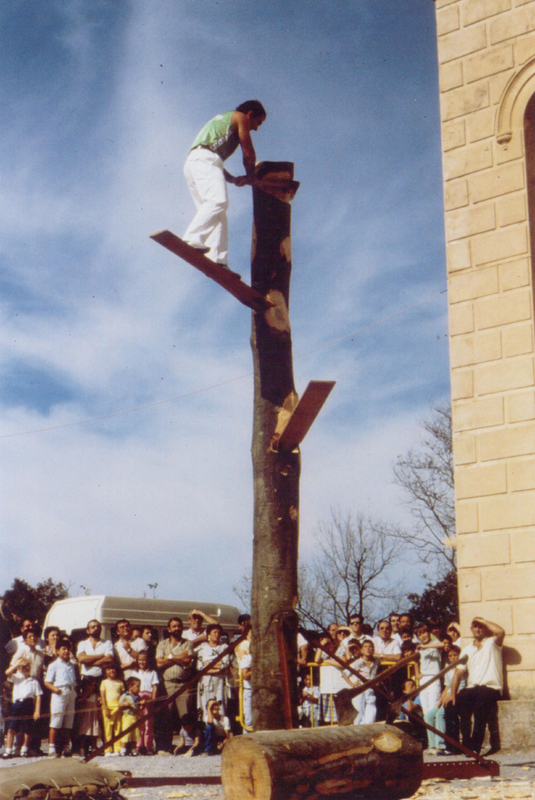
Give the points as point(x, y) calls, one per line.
point(363, 761)
point(276, 470)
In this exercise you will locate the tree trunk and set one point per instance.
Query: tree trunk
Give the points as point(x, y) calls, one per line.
point(364, 761)
point(276, 471)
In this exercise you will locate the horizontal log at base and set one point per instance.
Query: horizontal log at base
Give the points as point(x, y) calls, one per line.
point(361, 761)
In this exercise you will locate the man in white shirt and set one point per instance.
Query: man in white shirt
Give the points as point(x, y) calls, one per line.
point(126, 650)
point(386, 647)
point(195, 633)
point(94, 654)
point(16, 644)
point(484, 682)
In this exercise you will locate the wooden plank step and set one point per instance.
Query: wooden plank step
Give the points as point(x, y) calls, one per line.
point(240, 290)
point(306, 411)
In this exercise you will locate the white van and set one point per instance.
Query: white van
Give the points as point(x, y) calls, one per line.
point(73, 614)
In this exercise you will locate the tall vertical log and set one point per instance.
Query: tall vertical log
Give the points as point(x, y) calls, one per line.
point(276, 470)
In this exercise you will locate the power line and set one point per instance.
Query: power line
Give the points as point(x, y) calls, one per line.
point(224, 383)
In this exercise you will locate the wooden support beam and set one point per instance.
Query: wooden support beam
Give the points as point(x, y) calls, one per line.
point(240, 290)
point(305, 413)
point(364, 761)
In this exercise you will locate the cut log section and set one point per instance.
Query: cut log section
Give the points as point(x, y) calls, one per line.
point(240, 290)
point(363, 761)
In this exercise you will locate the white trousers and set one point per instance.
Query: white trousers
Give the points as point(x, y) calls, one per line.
point(203, 171)
point(366, 707)
point(429, 697)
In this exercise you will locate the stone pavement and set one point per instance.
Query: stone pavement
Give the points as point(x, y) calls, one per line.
point(194, 778)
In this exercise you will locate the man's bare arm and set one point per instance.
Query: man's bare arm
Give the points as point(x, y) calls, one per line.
point(243, 126)
point(496, 630)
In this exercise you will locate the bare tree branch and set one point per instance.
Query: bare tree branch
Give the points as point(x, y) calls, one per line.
point(426, 476)
point(352, 571)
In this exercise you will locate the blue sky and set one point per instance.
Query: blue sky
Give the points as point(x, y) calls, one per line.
point(101, 101)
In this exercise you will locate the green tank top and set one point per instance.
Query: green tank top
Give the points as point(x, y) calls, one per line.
point(218, 137)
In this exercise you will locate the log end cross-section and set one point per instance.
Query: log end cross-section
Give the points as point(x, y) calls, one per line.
point(364, 761)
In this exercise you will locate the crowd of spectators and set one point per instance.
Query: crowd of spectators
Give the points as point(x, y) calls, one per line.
point(460, 703)
point(76, 695)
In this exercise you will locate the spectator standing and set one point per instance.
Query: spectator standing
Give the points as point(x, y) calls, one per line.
point(309, 703)
point(484, 684)
point(331, 679)
point(430, 665)
point(149, 687)
point(26, 706)
point(61, 680)
point(130, 704)
point(385, 645)
point(126, 649)
point(195, 633)
point(111, 690)
point(93, 655)
point(214, 683)
point(175, 659)
point(13, 645)
point(368, 665)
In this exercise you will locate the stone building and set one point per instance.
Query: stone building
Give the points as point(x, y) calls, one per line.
point(486, 54)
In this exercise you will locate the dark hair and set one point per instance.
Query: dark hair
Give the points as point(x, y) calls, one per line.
point(131, 680)
point(119, 621)
point(252, 105)
point(406, 646)
point(244, 618)
point(29, 632)
point(49, 630)
point(455, 649)
point(188, 719)
point(356, 616)
point(65, 642)
point(174, 619)
point(212, 627)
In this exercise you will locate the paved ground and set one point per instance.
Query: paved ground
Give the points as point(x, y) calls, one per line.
point(196, 778)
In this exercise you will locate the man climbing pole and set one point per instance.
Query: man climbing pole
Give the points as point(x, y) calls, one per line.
point(207, 178)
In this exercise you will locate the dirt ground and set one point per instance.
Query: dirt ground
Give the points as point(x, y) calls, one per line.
point(198, 778)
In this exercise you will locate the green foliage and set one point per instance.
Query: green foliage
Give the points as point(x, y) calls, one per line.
point(23, 601)
point(438, 601)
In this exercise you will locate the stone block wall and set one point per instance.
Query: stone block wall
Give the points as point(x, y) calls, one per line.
point(486, 53)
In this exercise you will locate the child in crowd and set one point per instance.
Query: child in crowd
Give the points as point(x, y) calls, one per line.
point(430, 665)
point(131, 704)
point(111, 690)
point(413, 705)
point(149, 687)
point(217, 731)
point(189, 738)
point(88, 726)
point(309, 703)
point(61, 680)
point(26, 705)
point(450, 712)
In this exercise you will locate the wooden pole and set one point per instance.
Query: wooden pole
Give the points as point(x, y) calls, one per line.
point(276, 470)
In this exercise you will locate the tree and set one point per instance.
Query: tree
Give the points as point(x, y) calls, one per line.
point(438, 601)
point(352, 571)
point(425, 473)
point(23, 601)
